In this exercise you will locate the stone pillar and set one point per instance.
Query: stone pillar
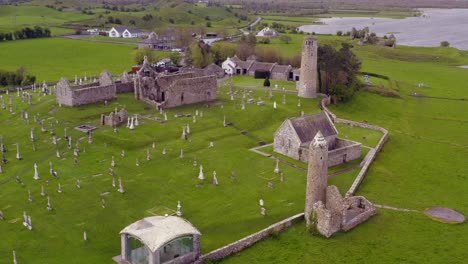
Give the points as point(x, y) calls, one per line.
point(154, 257)
point(308, 80)
point(316, 175)
point(125, 248)
point(196, 246)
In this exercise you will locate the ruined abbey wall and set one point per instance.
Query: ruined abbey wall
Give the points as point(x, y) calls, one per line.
point(92, 95)
point(122, 87)
point(191, 90)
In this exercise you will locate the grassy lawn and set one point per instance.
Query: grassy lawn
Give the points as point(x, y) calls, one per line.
point(249, 81)
point(52, 58)
point(295, 46)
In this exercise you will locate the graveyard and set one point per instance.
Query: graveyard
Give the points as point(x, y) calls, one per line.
point(167, 172)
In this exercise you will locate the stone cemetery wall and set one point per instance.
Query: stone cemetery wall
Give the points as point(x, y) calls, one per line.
point(250, 240)
point(192, 90)
point(124, 87)
point(372, 154)
point(93, 95)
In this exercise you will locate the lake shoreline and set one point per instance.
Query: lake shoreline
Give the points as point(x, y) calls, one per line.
point(427, 30)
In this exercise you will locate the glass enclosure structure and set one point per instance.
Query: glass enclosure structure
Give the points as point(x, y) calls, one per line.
point(176, 248)
point(139, 253)
point(160, 239)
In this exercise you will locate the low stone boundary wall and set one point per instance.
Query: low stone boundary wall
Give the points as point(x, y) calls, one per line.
point(372, 153)
point(250, 240)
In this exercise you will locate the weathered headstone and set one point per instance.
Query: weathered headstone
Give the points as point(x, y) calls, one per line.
point(36, 173)
point(277, 168)
point(201, 176)
point(121, 189)
point(215, 179)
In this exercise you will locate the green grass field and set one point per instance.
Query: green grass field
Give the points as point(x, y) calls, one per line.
point(53, 58)
point(17, 17)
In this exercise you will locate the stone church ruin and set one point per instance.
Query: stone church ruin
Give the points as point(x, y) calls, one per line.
point(167, 91)
point(104, 89)
point(160, 90)
point(114, 118)
point(295, 134)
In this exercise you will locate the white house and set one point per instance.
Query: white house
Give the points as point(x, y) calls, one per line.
point(124, 32)
point(267, 33)
point(93, 31)
point(229, 66)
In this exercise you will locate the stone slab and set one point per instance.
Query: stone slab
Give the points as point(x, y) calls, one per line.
point(445, 215)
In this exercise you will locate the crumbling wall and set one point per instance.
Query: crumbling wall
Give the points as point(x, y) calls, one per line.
point(191, 90)
point(368, 210)
point(334, 203)
point(105, 79)
point(323, 219)
point(93, 95)
point(63, 92)
point(346, 151)
point(114, 118)
point(122, 87)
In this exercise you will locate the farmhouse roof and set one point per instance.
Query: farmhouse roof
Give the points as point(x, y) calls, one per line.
point(244, 64)
point(120, 29)
point(281, 68)
point(134, 30)
point(152, 39)
point(156, 231)
point(212, 69)
point(307, 127)
point(262, 66)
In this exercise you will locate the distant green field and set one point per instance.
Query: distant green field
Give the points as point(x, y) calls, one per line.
point(295, 46)
point(50, 59)
point(17, 17)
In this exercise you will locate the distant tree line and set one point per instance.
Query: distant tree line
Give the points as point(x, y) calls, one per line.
point(18, 77)
point(26, 33)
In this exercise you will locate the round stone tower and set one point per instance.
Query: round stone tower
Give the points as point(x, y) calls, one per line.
point(307, 85)
point(316, 174)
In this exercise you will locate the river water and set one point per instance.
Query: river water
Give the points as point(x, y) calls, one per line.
point(428, 30)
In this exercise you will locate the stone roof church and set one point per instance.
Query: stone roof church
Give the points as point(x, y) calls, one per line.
point(295, 134)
